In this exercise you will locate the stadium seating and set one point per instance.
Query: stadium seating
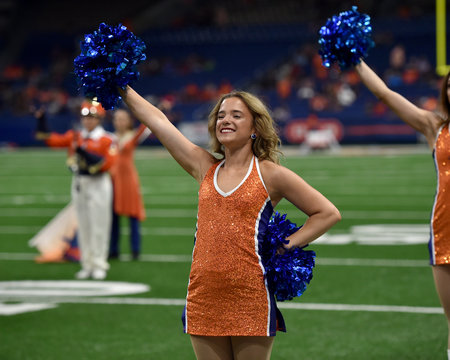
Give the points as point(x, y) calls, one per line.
point(190, 63)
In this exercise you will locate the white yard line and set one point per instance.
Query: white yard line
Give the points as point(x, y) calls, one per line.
point(181, 302)
point(187, 258)
point(191, 213)
point(46, 212)
point(160, 231)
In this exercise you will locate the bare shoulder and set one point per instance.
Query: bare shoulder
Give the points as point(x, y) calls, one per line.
point(269, 170)
point(277, 179)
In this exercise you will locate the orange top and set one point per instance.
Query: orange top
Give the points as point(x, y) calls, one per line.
point(127, 193)
point(97, 142)
point(227, 291)
point(440, 218)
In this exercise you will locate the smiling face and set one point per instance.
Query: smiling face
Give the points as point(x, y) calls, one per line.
point(234, 123)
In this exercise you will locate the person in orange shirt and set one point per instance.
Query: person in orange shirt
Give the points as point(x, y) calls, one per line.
point(127, 195)
point(91, 153)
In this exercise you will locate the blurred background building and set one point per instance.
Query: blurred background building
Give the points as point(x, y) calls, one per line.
point(198, 50)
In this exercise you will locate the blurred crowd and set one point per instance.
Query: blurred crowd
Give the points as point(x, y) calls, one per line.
point(299, 76)
point(302, 78)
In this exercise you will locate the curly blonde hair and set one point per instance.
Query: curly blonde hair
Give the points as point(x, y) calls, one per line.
point(265, 146)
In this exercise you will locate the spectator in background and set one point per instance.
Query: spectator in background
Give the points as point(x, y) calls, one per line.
point(284, 88)
point(397, 60)
point(127, 195)
point(91, 153)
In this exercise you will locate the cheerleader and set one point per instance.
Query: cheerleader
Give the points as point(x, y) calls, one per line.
point(230, 312)
point(436, 129)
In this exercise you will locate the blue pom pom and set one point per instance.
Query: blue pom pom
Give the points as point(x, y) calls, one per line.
point(289, 273)
point(107, 62)
point(345, 39)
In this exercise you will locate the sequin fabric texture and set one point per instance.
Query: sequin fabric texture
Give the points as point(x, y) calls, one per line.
point(227, 291)
point(439, 244)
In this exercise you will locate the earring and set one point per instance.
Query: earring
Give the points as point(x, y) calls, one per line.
point(253, 136)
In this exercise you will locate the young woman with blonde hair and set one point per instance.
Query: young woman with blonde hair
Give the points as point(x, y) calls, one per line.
point(229, 312)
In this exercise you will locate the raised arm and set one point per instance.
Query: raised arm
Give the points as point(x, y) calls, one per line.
point(194, 159)
point(141, 133)
point(322, 214)
point(424, 121)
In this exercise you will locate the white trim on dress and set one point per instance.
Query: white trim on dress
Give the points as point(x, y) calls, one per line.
point(216, 185)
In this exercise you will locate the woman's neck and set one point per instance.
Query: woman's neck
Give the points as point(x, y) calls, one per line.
point(238, 157)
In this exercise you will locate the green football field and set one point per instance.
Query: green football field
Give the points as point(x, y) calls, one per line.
point(372, 295)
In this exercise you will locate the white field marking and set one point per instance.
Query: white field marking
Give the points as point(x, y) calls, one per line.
point(383, 234)
point(63, 288)
point(191, 213)
point(36, 178)
point(344, 190)
point(14, 309)
point(34, 199)
point(28, 199)
point(371, 262)
point(161, 231)
point(365, 308)
point(401, 214)
point(45, 212)
point(165, 179)
point(281, 305)
point(187, 259)
point(371, 214)
point(29, 292)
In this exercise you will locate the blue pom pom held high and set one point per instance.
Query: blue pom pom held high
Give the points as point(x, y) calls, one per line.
point(345, 39)
point(107, 62)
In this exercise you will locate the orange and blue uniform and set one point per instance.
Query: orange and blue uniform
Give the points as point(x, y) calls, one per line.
point(439, 245)
point(228, 293)
point(91, 155)
point(99, 146)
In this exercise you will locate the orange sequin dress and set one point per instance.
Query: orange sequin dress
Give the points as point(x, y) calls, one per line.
point(439, 244)
point(127, 193)
point(227, 292)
